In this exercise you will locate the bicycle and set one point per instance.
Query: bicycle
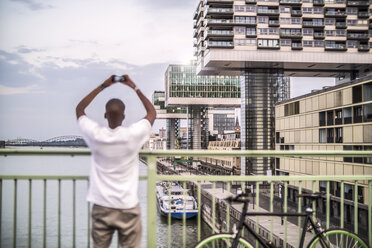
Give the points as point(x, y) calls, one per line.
point(323, 238)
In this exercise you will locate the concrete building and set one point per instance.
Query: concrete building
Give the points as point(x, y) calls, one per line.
point(335, 118)
point(265, 41)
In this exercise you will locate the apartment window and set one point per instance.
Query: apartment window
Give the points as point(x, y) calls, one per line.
point(285, 42)
point(329, 22)
point(348, 159)
point(322, 119)
point(347, 116)
point(277, 137)
point(369, 159)
point(307, 32)
point(318, 43)
point(348, 190)
point(352, 11)
point(318, 10)
point(351, 22)
point(367, 92)
point(273, 31)
point(357, 94)
point(352, 44)
point(330, 135)
point(292, 108)
point(307, 10)
point(285, 21)
point(330, 32)
point(296, 20)
point(268, 43)
point(340, 33)
point(330, 118)
point(339, 135)
point(358, 148)
point(262, 31)
point(277, 163)
point(338, 116)
point(239, 8)
point(239, 42)
point(322, 135)
point(251, 42)
point(262, 19)
point(357, 114)
point(284, 9)
point(238, 30)
point(308, 43)
point(367, 110)
point(251, 31)
point(251, 8)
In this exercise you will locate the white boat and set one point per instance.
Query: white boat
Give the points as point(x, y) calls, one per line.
point(174, 200)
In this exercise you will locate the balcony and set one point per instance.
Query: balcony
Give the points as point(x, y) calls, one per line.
point(219, 22)
point(341, 25)
point(363, 48)
point(274, 23)
point(353, 3)
point(296, 13)
point(335, 14)
point(318, 2)
point(216, 12)
point(291, 35)
point(296, 46)
point(357, 36)
point(218, 34)
point(319, 35)
point(220, 44)
point(291, 2)
point(268, 12)
point(363, 14)
point(63, 218)
point(335, 47)
point(310, 24)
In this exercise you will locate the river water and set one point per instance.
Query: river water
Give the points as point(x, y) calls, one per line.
point(68, 165)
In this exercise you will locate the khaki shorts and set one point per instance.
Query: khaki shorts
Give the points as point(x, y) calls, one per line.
point(126, 221)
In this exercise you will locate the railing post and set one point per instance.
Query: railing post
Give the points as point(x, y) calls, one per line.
point(29, 211)
point(151, 202)
point(15, 215)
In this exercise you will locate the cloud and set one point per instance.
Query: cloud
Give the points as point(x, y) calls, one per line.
point(31, 89)
point(33, 5)
point(23, 49)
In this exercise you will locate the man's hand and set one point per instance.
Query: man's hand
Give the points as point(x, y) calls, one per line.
point(108, 82)
point(128, 81)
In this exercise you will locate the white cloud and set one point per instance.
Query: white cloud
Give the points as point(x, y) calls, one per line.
point(31, 89)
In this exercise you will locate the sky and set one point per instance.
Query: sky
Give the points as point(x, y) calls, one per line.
point(53, 53)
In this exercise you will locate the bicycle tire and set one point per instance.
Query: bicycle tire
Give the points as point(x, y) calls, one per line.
point(222, 240)
point(337, 238)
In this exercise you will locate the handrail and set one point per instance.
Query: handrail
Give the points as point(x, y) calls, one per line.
point(199, 153)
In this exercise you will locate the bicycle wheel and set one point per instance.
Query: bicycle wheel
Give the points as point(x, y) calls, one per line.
point(222, 240)
point(337, 238)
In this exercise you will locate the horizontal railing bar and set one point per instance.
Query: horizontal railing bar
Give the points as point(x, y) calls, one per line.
point(49, 177)
point(260, 178)
point(198, 153)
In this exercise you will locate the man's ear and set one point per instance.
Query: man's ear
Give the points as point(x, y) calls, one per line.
point(105, 116)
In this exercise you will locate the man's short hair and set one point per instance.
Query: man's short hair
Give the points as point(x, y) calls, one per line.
point(115, 105)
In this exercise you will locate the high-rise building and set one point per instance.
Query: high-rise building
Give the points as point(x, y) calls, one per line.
point(266, 41)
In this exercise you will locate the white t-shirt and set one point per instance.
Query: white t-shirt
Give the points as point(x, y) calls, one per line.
point(113, 179)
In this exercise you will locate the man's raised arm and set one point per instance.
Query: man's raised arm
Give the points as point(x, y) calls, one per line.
point(80, 108)
point(151, 112)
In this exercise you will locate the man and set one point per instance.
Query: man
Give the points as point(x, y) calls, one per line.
point(113, 179)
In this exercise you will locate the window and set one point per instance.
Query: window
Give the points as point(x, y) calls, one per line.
point(322, 135)
point(318, 43)
point(308, 32)
point(292, 108)
point(238, 30)
point(285, 21)
point(348, 159)
point(251, 8)
point(352, 44)
point(308, 43)
point(369, 159)
point(357, 94)
point(251, 31)
point(351, 22)
point(307, 10)
point(352, 11)
point(285, 42)
point(239, 8)
point(367, 112)
point(357, 112)
point(367, 91)
point(347, 116)
point(330, 32)
point(340, 33)
point(296, 20)
point(318, 10)
point(338, 116)
point(339, 135)
point(329, 22)
point(284, 10)
point(268, 43)
point(262, 31)
point(330, 118)
point(322, 118)
point(330, 135)
point(262, 19)
point(273, 31)
point(358, 160)
point(250, 42)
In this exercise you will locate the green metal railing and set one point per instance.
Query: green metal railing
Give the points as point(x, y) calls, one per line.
point(153, 177)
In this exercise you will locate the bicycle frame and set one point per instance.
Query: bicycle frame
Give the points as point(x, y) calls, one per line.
point(257, 237)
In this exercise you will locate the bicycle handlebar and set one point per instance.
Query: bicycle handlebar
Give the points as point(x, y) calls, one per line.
point(238, 198)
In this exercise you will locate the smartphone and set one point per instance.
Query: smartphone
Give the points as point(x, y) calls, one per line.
point(118, 79)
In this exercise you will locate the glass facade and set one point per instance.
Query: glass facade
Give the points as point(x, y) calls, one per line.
point(182, 82)
point(222, 122)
